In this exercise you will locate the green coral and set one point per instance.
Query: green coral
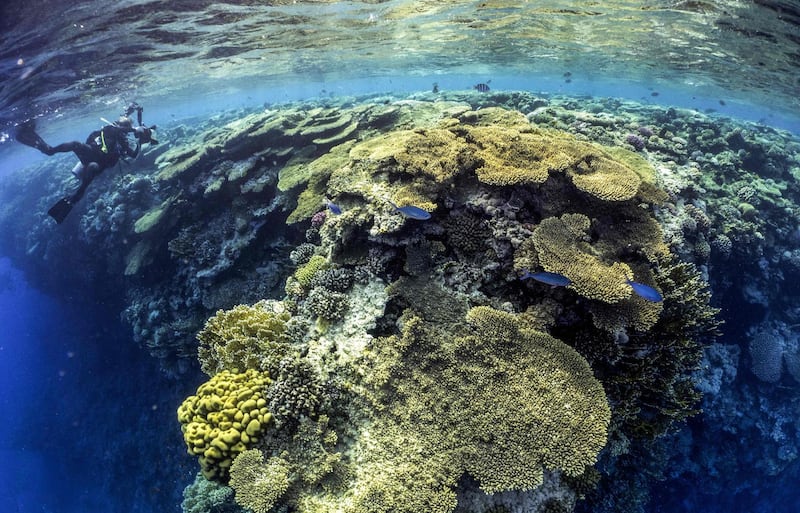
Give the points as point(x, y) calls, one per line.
point(259, 485)
point(204, 496)
point(305, 273)
point(245, 337)
point(226, 416)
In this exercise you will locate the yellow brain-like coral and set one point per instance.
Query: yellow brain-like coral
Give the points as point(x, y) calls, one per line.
point(227, 416)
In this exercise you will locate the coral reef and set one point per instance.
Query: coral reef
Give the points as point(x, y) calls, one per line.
point(407, 362)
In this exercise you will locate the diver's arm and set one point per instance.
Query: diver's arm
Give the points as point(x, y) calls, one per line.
point(133, 153)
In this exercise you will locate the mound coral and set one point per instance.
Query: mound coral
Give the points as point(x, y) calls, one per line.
point(227, 415)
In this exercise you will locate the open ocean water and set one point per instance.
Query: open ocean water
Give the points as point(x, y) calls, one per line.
point(397, 179)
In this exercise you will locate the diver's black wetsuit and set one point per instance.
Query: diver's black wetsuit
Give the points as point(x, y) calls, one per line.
point(102, 149)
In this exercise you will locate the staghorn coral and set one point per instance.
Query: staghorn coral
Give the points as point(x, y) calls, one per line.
point(244, 337)
point(227, 415)
point(258, 485)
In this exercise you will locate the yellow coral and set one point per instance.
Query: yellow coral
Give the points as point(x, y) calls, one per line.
point(243, 337)
point(154, 216)
point(510, 157)
point(227, 415)
point(560, 248)
point(498, 401)
point(258, 485)
point(436, 153)
point(604, 178)
point(306, 272)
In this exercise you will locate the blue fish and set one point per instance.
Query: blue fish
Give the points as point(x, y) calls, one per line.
point(333, 207)
point(646, 291)
point(412, 212)
point(554, 279)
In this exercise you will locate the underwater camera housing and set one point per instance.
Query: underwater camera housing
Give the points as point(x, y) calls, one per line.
point(143, 134)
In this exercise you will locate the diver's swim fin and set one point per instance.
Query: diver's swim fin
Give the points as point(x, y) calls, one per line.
point(60, 210)
point(26, 134)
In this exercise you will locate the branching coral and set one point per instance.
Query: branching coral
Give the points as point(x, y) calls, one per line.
point(258, 485)
point(204, 496)
point(244, 337)
point(327, 304)
point(296, 393)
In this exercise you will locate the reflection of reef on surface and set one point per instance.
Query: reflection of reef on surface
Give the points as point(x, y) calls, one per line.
point(399, 362)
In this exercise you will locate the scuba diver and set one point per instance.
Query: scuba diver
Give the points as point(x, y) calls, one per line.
point(102, 149)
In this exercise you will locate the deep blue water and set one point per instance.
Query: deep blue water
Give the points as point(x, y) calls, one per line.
point(89, 420)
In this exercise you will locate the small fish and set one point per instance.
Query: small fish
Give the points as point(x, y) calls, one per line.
point(333, 207)
point(554, 279)
point(412, 212)
point(722, 102)
point(567, 74)
point(435, 88)
point(484, 88)
point(646, 291)
point(654, 93)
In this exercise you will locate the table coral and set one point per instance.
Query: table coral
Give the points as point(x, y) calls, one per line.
point(561, 247)
point(227, 415)
point(498, 401)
